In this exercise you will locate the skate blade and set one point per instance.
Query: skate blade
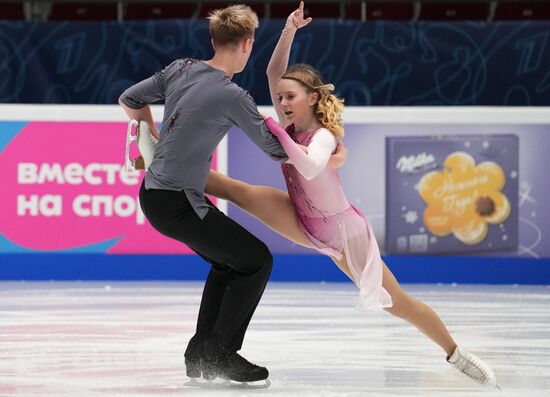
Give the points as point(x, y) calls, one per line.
point(130, 138)
point(219, 384)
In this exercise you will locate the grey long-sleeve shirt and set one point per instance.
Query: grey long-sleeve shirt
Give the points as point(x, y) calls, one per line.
point(201, 104)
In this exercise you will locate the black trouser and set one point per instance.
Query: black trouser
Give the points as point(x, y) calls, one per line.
point(241, 263)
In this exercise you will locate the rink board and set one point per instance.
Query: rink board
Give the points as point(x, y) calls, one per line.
point(70, 212)
point(299, 268)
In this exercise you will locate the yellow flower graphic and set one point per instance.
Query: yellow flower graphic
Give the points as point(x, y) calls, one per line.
point(462, 198)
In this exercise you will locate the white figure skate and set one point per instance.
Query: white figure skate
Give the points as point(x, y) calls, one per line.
point(146, 144)
point(474, 367)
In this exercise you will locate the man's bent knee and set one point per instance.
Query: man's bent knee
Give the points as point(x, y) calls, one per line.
point(258, 259)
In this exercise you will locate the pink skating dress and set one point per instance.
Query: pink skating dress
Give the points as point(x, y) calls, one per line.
point(331, 223)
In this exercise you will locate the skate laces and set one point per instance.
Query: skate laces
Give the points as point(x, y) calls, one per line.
point(469, 365)
point(472, 366)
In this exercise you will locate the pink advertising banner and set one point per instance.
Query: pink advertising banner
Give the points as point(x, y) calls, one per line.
point(64, 188)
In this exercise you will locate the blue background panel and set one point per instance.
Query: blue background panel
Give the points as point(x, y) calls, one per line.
point(375, 63)
point(302, 268)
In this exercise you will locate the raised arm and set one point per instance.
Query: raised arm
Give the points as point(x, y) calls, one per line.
point(319, 150)
point(279, 59)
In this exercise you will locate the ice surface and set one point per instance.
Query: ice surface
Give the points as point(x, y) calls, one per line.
point(127, 339)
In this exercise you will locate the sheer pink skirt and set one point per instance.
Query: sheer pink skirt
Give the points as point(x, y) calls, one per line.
point(349, 234)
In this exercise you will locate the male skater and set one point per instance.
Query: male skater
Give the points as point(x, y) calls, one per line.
point(201, 104)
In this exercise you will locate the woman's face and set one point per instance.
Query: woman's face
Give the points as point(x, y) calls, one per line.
point(294, 100)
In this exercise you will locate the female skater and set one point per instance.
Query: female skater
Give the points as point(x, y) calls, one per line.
point(315, 212)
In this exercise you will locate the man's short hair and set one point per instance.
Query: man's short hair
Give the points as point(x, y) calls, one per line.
point(231, 24)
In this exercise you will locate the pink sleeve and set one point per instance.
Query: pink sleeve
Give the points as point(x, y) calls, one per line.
point(310, 164)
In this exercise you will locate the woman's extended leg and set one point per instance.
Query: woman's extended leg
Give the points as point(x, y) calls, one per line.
point(428, 322)
point(274, 208)
point(417, 313)
point(269, 205)
point(411, 309)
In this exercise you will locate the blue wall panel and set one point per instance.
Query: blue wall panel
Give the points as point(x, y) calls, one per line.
point(311, 268)
point(375, 63)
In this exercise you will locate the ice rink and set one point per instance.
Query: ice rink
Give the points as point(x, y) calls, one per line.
point(127, 339)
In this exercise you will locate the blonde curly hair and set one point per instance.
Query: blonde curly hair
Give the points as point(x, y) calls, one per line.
point(329, 107)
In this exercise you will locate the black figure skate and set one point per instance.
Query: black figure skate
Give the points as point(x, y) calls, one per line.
point(211, 361)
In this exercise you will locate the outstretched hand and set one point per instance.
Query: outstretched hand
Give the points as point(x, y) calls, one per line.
point(296, 18)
